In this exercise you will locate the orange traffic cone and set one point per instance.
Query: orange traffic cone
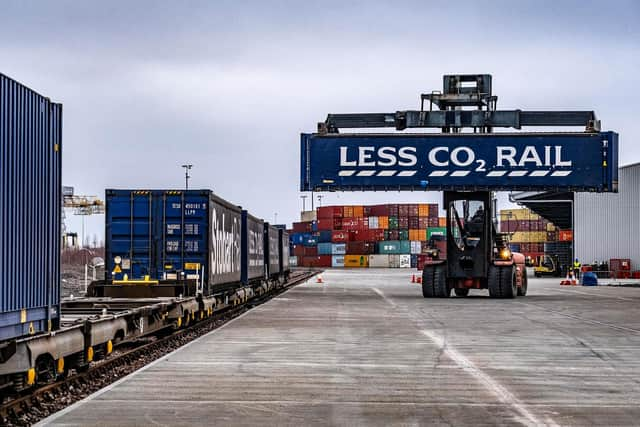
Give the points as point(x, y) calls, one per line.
point(319, 279)
point(413, 279)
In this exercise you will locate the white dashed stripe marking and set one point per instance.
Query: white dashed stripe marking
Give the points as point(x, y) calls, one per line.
point(386, 173)
point(561, 173)
point(407, 173)
point(460, 173)
point(366, 173)
point(439, 173)
point(496, 173)
point(539, 173)
point(518, 173)
point(346, 173)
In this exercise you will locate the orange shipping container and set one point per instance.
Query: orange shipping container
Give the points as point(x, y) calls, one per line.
point(347, 211)
point(383, 222)
point(565, 235)
point(442, 221)
point(423, 210)
point(419, 235)
point(356, 261)
point(358, 211)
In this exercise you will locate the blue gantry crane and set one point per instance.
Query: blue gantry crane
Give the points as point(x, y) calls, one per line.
point(467, 160)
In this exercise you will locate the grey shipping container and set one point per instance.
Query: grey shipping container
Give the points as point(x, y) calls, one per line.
point(30, 203)
point(283, 250)
point(252, 248)
point(272, 249)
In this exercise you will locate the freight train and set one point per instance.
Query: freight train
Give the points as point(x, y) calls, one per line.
point(173, 257)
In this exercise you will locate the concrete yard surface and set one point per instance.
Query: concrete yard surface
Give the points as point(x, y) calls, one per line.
point(364, 348)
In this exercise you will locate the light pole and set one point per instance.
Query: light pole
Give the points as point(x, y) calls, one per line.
point(304, 199)
point(187, 168)
point(275, 217)
point(86, 268)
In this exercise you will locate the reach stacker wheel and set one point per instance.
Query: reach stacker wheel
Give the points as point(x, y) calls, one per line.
point(502, 281)
point(434, 282)
point(522, 290)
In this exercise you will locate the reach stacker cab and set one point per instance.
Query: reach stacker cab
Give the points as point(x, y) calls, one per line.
point(468, 162)
point(477, 256)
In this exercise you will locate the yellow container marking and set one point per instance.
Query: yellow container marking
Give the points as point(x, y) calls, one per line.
point(31, 376)
point(61, 365)
point(90, 354)
point(109, 347)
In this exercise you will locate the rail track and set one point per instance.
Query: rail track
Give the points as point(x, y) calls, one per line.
point(41, 402)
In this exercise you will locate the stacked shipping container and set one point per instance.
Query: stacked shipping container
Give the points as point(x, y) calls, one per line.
point(533, 235)
point(389, 235)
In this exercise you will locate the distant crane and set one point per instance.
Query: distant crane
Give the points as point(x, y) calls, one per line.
point(81, 205)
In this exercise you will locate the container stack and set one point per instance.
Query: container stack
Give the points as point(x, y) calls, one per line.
point(379, 236)
point(532, 235)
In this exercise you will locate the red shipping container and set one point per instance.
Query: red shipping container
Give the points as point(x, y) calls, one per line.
point(326, 224)
point(326, 212)
point(379, 210)
point(403, 210)
point(310, 250)
point(298, 250)
point(338, 236)
point(361, 248)
point(349, 224)
point(413, 210)
point(423, 223)
point(403, 222)
point(393, 210)
point(376, 235)
point(317, 261)
point(433, 210)
point(337, 223)
point(620, 268)
point(358, 235)
point(303, 227)
point(414, 222)
point(433, 222)
point(394, 235)
point(366, 210)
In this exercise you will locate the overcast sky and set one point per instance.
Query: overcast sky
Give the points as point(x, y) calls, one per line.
point(230, 85)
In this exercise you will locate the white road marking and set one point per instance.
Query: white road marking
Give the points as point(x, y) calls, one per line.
point(386, 173)
point(500, 391)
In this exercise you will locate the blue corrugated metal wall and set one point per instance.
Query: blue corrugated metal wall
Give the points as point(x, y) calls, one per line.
point(30, 203)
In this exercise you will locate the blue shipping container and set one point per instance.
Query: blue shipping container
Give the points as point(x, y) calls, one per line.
point(173, 234)
point(324, 236)
point(324, 248)
point(497, 161)
point(30, 199)
point(310, 240)
point(338, 249)
point(298, 238)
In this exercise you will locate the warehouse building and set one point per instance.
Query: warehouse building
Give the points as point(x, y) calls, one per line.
point(605, 225)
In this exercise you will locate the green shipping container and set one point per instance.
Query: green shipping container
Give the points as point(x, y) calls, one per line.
point(441, 231)
point(393, 223)
point(394, 247)
point(404, 235)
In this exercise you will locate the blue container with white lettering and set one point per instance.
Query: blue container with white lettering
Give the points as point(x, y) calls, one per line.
point(175, 235)
point(338, 249)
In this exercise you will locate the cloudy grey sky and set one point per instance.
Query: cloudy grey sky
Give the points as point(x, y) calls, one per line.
point(229, 85)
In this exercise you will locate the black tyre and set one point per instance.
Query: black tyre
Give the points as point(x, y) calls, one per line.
point(440, 286)
point(522, 290)
point(493, 280)
point(427, 281)
point(461, 292)
point(508, 285)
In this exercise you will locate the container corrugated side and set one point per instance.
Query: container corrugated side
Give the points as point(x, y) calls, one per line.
point(271, 249)
point(252, 243)
point(30, 203)
point(284, 251)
